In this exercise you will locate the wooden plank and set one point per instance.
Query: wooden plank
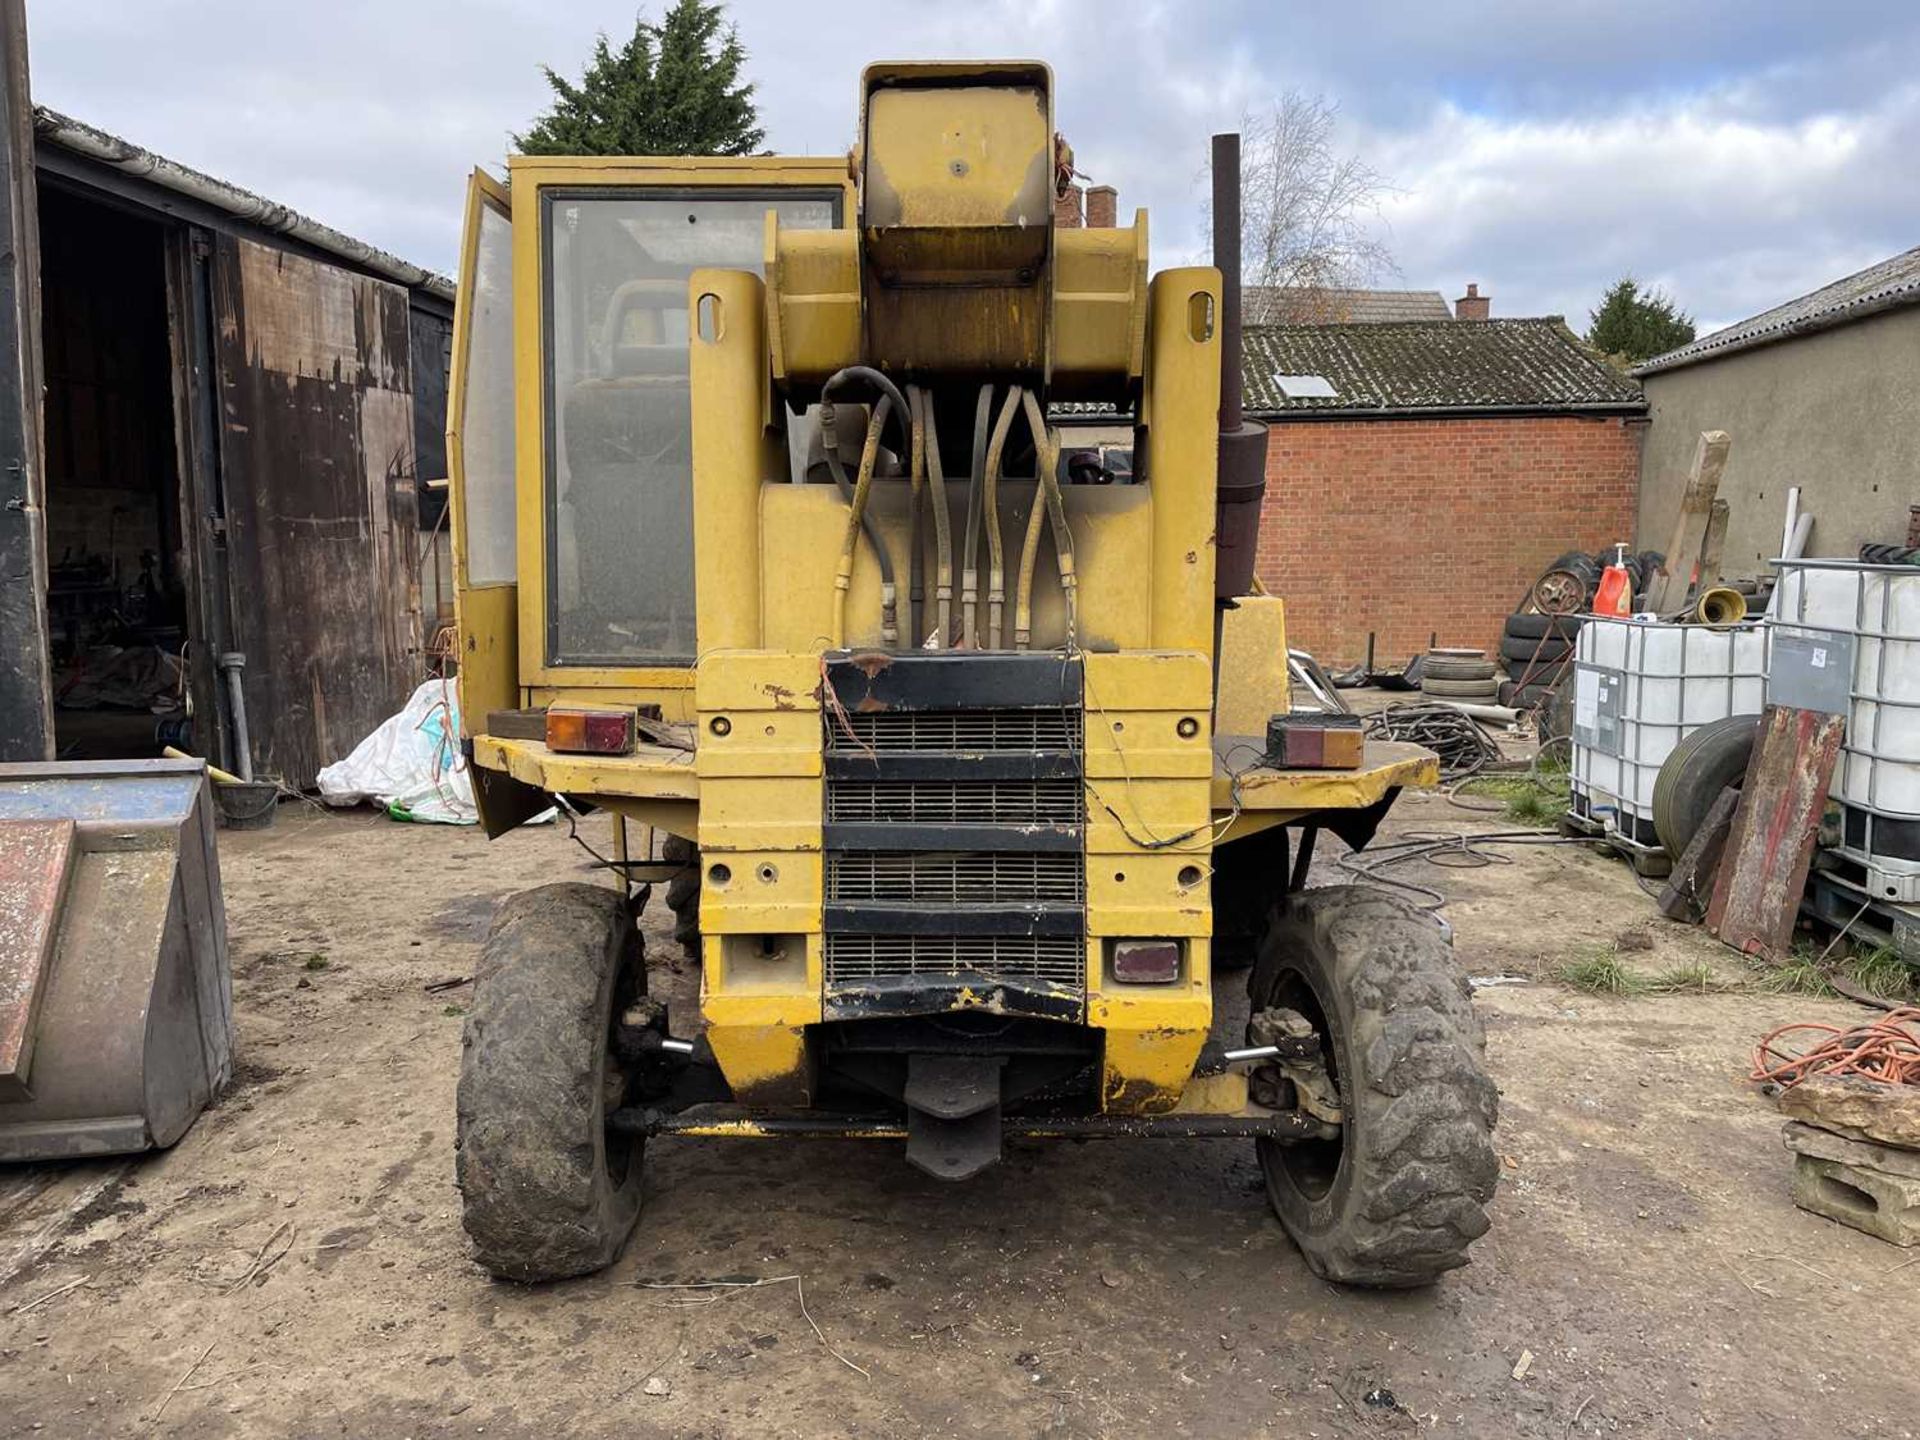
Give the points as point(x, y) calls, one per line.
point(1763, 872)
point(35, 860)
point(1712, 546)
point(1687, 888)
point(1669, 589)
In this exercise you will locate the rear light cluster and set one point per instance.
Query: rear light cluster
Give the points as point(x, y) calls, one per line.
point(1146, 962)
point(579, 730)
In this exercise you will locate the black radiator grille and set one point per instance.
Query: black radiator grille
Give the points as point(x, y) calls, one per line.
point(948, 879)
point(954, 819)
point(956, 802)
point(1059, 959)
point(961, 731)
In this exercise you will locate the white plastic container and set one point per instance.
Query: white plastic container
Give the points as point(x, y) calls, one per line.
point(1640, 687)
point(1877, 781)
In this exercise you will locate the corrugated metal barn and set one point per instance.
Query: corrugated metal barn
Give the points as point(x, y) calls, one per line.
point(242, 411)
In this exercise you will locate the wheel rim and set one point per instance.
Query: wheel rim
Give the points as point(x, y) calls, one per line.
point(1310, 1169)
point(1560, 592)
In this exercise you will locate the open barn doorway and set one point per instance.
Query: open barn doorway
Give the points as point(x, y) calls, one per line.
point(119, 572)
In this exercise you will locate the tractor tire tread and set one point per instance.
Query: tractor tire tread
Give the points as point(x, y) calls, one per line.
point(539, 1201)
point(1420, 1166)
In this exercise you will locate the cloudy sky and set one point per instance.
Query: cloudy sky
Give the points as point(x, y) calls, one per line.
point(1736, 154)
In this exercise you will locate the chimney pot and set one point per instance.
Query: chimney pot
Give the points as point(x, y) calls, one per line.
point(1103, 204)
point(1473, 305)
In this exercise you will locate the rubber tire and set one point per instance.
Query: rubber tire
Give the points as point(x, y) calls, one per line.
point(546, 1192)
point(1460, 689)
point(683, 893)
point(1439, 668)
point(1534, 627)
point(1539, 652)
point(1695, 772)
point(1415, 1166)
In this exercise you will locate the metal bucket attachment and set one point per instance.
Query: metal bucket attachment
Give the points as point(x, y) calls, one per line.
point(116, 1006)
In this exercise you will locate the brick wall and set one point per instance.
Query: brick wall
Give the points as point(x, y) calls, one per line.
point(1408, 527)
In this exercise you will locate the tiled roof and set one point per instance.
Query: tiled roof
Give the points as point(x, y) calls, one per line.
point(1432, 366)
point(1878, 287)
point(1292, 305)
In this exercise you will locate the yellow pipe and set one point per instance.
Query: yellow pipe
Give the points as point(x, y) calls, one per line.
point(223, 777)
point(916, 479)
point(843, 572)
point(996, 560)
point(942, 538)
point(1047, 491)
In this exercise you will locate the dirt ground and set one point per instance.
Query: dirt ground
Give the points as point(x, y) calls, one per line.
point(296, 1265)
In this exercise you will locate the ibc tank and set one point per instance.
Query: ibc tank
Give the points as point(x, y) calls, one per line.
point(1877, 781)
point(1656, 683)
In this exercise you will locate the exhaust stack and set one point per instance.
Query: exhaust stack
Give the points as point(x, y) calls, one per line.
point(1241, 478)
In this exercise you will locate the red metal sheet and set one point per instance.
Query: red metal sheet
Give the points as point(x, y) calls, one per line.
point(1763, 870)
point(35, 860)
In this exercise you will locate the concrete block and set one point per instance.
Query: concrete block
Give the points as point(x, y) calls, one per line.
point(1884, 1206)
point(1825, 1145)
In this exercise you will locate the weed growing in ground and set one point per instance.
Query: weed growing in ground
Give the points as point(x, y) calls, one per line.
point(1528, 801)
point(1699, 978)
point(1599, 972)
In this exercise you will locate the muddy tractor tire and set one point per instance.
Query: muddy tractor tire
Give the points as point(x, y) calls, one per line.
point(1397, 1198)
point(683, 893)
point(547, 1191)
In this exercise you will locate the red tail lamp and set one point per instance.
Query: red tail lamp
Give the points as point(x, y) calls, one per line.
point(1146, 962)
point(578, 729)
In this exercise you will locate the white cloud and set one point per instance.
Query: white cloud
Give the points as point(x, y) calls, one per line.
point(1730, 213)
point(1738, 155)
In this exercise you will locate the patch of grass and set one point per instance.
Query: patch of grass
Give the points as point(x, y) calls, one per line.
point(316, 961)
point(1699, 978)
point(1882, 971)
point(454, 1010)
point(1527, 801)
point(1799, 976)
point(1600, 972)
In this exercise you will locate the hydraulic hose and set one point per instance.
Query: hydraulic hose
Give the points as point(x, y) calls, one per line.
point(916, 477)
point(990, 517)
point(856, 515)
point(1046, 444)
point(1043, 456)
point(942, 525)
point(970, 556)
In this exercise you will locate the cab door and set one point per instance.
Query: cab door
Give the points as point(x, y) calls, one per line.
point(480, 474)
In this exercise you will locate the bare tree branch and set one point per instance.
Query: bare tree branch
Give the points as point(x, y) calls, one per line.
point(1310, 217)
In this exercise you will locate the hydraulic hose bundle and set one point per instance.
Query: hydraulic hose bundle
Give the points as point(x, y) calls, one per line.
point(912, 414)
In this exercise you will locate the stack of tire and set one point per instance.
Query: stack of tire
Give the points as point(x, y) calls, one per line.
point(1537, 651)
point(1459, 675)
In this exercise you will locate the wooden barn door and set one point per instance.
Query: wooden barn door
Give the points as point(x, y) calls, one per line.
point(317, 466)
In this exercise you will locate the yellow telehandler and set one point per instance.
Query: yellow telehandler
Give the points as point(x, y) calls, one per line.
point(755, 469)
